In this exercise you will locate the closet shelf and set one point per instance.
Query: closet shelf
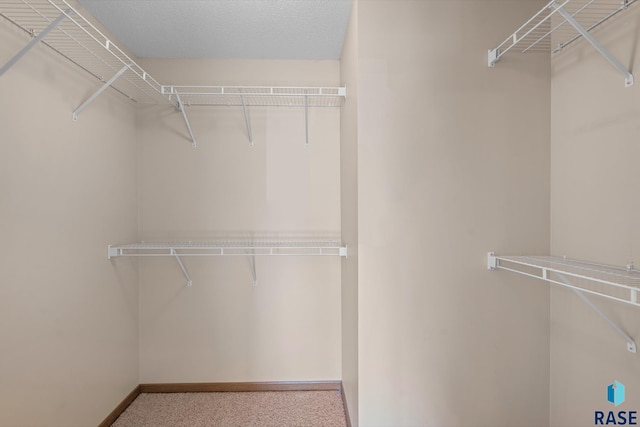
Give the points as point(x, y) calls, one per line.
point(614, 283)
point(567, 21)
point(79, 41)
point(60, 26)
point(257, 96)
point(250, 249)
point(229, 248)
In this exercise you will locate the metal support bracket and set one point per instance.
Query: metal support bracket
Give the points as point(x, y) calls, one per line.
point(184, 270)
point(631, 345)
point(343, 251)
point(306, 119)
point(493, 57)
point(493, 263)
point(194, 144)
point(628, 77)
point(112, 252)
point(35, 41)
point(252, 266)
point(104, 87)
point(246, 121)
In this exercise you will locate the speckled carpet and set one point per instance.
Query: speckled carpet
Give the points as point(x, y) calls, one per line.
point(231, 409)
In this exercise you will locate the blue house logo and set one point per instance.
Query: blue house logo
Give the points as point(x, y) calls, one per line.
point(615, 393)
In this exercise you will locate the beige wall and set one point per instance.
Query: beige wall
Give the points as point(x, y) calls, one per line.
point(287, 328)
point(349, 214)
point(595, 207)
point(453, 161)
point(68, 317)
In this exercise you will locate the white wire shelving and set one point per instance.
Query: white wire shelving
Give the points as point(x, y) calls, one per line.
point(229, 248)
point(257, 96)
point(567, 21)
point(249, 249)
point(620, 284)
point(254, 96)
point(63, 28)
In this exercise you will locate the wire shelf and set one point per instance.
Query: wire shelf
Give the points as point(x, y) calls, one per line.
point(229, 248)
point(79, 41)
point(616, 283)
point(257, 96)
point(535, 34)
point(249, 249)
point(76, 39)
point(61, 27)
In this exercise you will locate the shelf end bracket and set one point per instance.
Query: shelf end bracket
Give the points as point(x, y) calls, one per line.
point(112, 252)
point(492, 261)
point(494, 55)
point(343, 251)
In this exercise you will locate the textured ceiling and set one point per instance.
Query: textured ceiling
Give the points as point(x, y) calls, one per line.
point(257, 29)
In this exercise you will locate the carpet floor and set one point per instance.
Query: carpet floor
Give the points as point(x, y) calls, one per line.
point(231, 409)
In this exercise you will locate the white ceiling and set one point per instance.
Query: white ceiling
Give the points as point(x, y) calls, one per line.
point(256, 29)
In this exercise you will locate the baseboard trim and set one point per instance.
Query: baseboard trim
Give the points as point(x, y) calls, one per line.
point(241, 386)
point(344, 405)
point(113, 416)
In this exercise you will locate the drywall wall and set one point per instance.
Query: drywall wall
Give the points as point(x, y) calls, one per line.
point(68, 317)
point(594, 212)
point(287, 328)
point(453, 161)
point(349, 215)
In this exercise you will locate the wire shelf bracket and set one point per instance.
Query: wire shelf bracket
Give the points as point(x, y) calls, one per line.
point(181, 109)
point(53, 25)
point(246, 121)
point(306, 119)
point(252, 266)
point(182, 267)
point(104, 87)
point(596, 279)
point(631, 344)
point(248, 249)
point(535, 33)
